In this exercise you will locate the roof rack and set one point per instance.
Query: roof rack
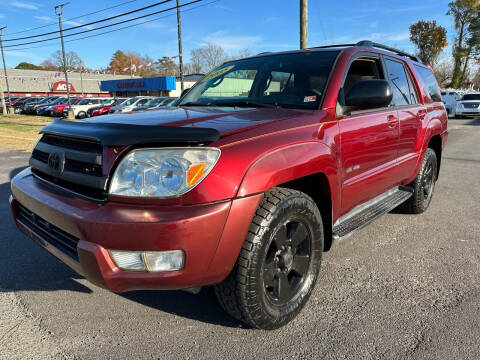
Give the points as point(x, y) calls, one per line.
point(368, 43)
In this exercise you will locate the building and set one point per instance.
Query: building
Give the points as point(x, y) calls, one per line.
point(155, 86)
point(44, 83)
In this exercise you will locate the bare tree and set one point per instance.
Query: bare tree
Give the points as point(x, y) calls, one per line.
point(443, 72)
point(207, 57)
point(73, 61)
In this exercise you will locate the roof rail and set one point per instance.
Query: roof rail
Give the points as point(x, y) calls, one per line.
point(368, 43)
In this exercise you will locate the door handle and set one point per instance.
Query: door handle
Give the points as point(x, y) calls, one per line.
point(392, 121)
point(421, 114)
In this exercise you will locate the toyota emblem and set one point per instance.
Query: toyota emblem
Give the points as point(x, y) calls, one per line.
point(56, 162)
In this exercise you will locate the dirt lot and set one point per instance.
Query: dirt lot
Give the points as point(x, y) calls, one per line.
point(20, 132)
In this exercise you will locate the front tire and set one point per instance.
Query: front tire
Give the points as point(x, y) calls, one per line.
point(82, 115)
point(278, 264)
point(423, 185)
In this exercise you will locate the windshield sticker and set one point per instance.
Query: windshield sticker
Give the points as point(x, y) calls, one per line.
point(310, 98)
point(217, 73)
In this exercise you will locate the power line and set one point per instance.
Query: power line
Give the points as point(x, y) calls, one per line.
point(121, 28)
point(93, 22)
point(70, 19)
point(105, 26)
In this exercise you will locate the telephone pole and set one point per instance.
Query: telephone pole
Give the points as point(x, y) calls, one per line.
point(303, 24)
point(59, 12)
point(5, 71)
point(180, 55)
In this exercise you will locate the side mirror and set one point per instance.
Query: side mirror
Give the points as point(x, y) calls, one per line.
point(184, 92)
point(369, 94)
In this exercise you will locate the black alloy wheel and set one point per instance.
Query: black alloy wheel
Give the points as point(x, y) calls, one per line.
point(287, 261)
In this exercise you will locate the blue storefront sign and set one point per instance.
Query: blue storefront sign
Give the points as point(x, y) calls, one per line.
point(139, 84)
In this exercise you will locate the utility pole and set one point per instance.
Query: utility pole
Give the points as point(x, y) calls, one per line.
point(180, 55)
point(59, 12)
point(5, 71)
point(303, 24)
point(2, 98)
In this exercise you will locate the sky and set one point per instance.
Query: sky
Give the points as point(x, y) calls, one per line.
point(257, 25)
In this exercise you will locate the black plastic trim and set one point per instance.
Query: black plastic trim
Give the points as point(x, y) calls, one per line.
point(113, 134)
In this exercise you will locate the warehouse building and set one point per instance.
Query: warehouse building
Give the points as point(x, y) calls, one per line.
point(45, 83)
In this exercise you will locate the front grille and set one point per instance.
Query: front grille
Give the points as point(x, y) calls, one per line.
point(471, 106)
point(58, 238)
point(72, 163)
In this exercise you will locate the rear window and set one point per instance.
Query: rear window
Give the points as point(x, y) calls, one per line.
point(471, 97)
point(430, 82)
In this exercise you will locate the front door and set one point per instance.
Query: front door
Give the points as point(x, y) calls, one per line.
point(369, 142)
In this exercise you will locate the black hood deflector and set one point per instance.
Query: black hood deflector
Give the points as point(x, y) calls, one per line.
point(113, 134)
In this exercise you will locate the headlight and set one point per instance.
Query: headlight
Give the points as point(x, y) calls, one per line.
point(162, 173)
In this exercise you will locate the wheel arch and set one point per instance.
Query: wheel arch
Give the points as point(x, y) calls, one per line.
point(435, 143)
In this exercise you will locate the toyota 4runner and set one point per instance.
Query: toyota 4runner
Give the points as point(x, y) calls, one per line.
point(259, 168)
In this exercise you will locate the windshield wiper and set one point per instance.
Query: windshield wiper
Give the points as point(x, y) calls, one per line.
point(193, 104)
point(247, 103)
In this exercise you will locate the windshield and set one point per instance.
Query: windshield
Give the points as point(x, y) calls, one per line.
point(471, 97)
point(83, 102)
point(130, 101)
point(108, 102)
point(154, 101)
point(295, 80)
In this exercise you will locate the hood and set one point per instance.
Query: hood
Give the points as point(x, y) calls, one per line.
point(225, 120)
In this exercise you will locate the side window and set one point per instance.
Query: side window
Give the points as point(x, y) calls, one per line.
point(363, 68)
point(430, 82)
point(398, 82)
point(413, 93)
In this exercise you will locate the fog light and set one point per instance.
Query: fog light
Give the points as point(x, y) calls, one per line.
point(153, 261)
point(128, 260)
point(164, 260)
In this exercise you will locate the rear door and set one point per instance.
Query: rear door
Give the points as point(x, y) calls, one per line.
point(410, 114)
point(369, 140)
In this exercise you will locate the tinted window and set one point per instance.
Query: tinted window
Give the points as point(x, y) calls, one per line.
point(430, 82)
point(264, 81)
point(398, 83)
point(471, 97)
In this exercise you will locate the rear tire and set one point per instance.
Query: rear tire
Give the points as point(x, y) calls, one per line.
point(82, 115)
point(423, 185)
point(278, 264)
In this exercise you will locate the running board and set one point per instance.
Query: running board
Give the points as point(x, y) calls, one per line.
point(364, 214)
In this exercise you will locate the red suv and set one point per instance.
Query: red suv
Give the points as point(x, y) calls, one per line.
point(259, 168)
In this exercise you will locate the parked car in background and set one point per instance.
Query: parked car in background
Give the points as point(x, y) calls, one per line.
point(244, 184)
point(129, 104)
point(18, 106)
point(58, 109)
point(468, 105)
point(44, 110)
point(105, 107)
point(170, 102)
point(154, 102)
point(450, 99)
point(31, 107)
point(13, 100)
point(81, 108)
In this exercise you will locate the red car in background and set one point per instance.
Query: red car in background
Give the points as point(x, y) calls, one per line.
point(58, 110)
point(105, 107)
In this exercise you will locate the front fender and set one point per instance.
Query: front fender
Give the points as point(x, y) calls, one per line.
point(289, 163)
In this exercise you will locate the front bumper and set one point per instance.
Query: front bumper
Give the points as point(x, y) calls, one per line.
point(468, 111)
point(211, 235)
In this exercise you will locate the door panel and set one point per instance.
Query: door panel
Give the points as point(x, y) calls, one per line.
point(369, 147)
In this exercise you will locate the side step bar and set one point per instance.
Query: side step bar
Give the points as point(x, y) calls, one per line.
point(364, 214)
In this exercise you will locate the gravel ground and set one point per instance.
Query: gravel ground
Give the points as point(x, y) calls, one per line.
point(404, 287)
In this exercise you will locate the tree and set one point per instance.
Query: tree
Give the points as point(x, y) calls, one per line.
point(207, 57)
point(28, 66)
point(48, 65)
point(73, 61)
point(430, 40)
point(463, 12)
point(443, 72)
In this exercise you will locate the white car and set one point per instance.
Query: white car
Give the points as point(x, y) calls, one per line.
point(469, 105)
point(450, 99)
point(130, 104)
point(80, 109)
